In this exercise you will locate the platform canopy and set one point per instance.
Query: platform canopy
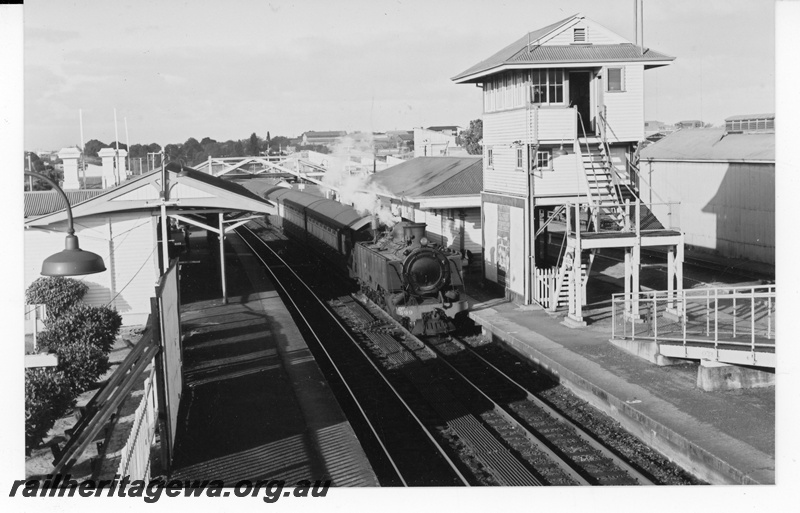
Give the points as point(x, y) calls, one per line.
point(188, 190)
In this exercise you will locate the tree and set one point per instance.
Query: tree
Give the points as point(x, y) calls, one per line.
point(238, 149)
point(472, 138)
point(253, 145)
point(173, 152)
point(279, 142)
point(92, 147)
point(191, 150)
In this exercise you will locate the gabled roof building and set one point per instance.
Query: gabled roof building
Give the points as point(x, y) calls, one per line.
point(563, 113)
point(724, 180)
point(443, 192)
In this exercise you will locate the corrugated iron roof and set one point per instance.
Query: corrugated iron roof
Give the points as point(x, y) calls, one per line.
point(569, 54)
point(511, 50)
point(331, 133)
point(260, 185)
point(211, 180)
point(712, 144)
point(771, 115)
point(337, 213)
point(526, 51)
point(432, 176)
point(586, 53)
point(39, 203)
point(97, 198)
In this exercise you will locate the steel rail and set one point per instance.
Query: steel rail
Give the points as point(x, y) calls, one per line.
point(536, 440)
point(338, 372)
point(555, 414)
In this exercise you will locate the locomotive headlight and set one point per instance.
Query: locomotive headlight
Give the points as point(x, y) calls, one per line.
point(423, 241)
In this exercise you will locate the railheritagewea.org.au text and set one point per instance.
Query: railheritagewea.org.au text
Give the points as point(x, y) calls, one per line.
point(151, 491)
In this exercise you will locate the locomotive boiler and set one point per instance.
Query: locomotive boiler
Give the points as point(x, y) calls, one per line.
point(418, 283)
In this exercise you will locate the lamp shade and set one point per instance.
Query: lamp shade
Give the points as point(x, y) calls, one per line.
point(73, 261)
point(559, 152)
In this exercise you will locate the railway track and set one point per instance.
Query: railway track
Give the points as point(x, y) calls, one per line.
point(390, 432)
point(487, 425)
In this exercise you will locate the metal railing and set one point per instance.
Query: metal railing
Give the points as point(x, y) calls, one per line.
point(638, 217)
point(741, 318)
point(96, 415)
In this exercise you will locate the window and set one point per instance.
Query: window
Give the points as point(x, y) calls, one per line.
point(615, 79)
point(543, 160)
point(547, 86)
point(579, 35)
point(489, 158)
point(519, 158)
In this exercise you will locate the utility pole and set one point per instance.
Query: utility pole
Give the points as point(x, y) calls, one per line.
point(128, 143)
point(30, 178)
point(83, 149)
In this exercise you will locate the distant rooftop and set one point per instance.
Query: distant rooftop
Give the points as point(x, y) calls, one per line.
point(432, 176)
point(443, 128)
point(713, 144)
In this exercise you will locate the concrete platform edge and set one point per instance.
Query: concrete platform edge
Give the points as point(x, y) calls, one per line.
point(315, 398)
point(675, 446)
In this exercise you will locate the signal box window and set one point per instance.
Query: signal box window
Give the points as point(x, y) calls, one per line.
point(543, 160)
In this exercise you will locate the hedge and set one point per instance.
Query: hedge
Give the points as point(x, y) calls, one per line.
point(82, 339)
point(48, 395)
point(56, 293)
point(81, 336)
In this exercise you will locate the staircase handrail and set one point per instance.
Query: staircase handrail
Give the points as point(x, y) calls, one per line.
point(550, 218)
point(631, 165)
point(607, 149)
point(614, 179)
point(649, 186)
point(595, 204)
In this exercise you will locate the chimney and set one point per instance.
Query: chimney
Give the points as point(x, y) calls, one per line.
point(70, 157)
point(111, 175)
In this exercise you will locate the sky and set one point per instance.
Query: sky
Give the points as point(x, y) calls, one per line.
point(176, 69)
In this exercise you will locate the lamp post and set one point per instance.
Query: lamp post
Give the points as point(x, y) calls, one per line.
point(73, 261)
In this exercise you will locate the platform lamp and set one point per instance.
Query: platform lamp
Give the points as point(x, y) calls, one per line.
point(73, 261)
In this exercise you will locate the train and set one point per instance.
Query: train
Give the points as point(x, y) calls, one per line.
point(418, 283)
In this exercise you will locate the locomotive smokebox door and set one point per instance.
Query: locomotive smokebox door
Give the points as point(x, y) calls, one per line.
point(426, 271)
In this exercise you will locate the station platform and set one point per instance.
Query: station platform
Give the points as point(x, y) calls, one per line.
point(724, 437)
point(255, 405)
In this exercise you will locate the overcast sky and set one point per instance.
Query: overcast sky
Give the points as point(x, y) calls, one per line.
point(180, 69)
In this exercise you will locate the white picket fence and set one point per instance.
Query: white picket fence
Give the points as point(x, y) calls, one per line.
point(545, 286)
point(135, 461)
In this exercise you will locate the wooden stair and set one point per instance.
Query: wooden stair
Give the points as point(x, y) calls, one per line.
point(603, 192)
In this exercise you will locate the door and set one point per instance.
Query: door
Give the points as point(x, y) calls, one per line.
point(580, 97)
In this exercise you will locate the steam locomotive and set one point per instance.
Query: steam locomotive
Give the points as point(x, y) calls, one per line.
point(416, 282)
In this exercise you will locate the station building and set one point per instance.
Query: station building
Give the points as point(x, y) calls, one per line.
point(443, 192)
point(125, 225)
point(724, 179)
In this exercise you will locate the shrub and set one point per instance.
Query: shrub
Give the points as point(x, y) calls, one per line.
point(48, 395)
point(56, 293)
point(82, 338)
point(97, 325)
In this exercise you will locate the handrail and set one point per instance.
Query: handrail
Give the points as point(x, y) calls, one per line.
point(729, 318)
point(612, 167)
point(552, 216)
point(630, 164)
point(123, 379)
point(580, 156)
